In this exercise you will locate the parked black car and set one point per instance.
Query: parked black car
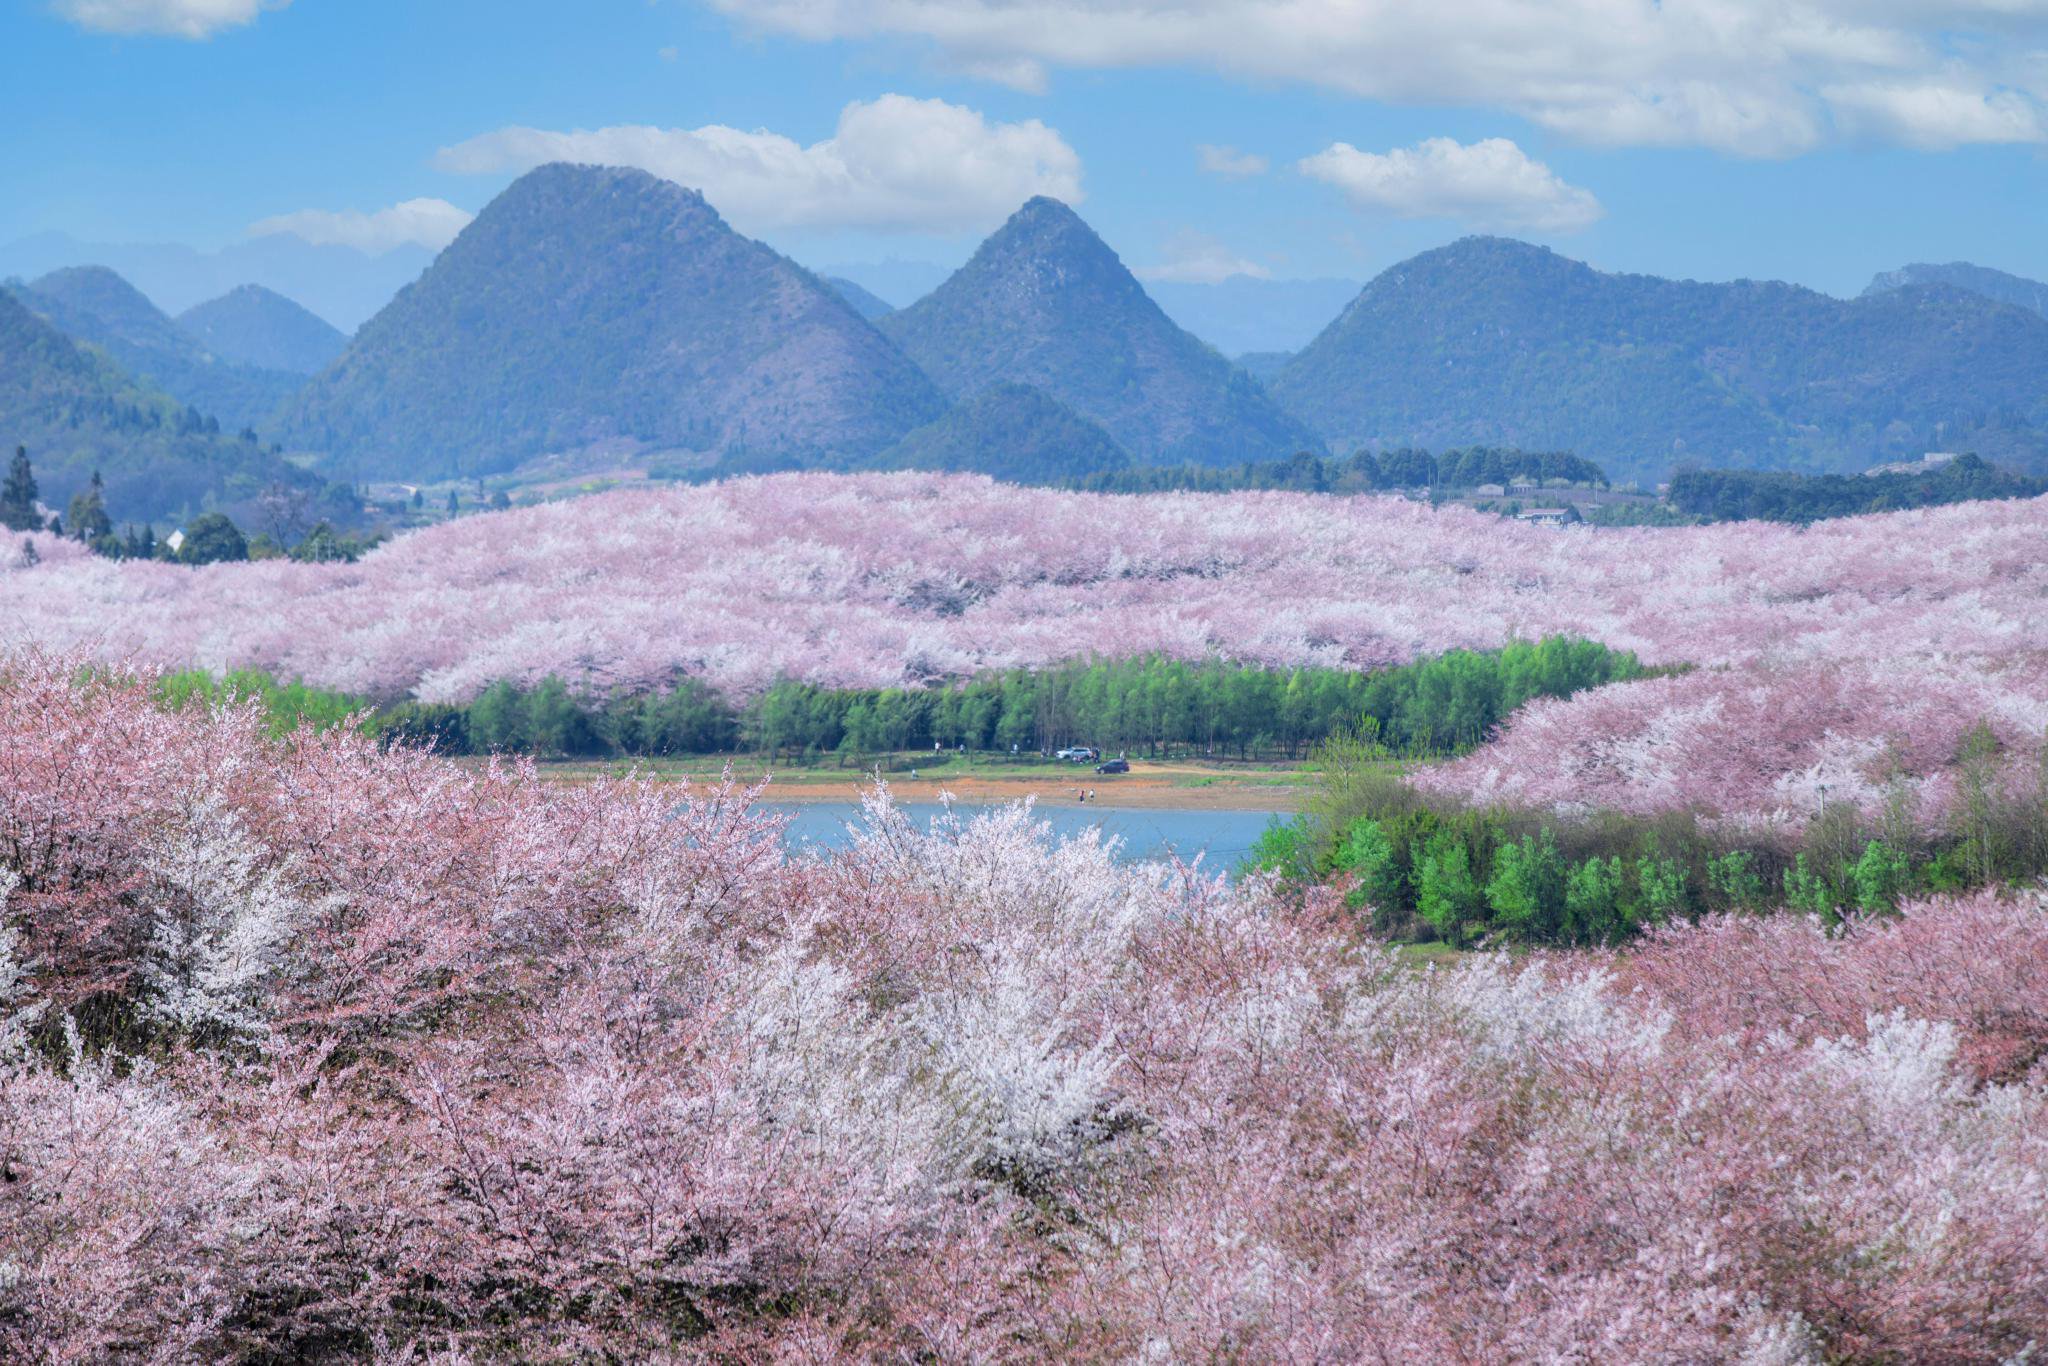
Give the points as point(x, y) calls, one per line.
point(1114, 766)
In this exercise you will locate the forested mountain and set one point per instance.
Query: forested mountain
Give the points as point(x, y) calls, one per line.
point(1013, 432)
point(92, 304)
point(2016, 290)
point(1498, 342)
point(866, 302)
point(76, 412)
point(1045, 302)
point(602, 308)
point(251, 325)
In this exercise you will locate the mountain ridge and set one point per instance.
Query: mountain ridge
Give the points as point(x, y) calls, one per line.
point(1491, 341)
point(97, 306)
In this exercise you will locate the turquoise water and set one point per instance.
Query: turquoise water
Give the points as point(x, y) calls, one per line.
point(1222, 837)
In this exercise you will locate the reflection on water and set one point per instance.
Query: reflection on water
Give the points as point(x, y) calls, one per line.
point(1221, 837)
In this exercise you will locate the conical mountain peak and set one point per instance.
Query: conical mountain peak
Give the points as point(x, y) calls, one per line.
point(1046, 302)
point(602, 309)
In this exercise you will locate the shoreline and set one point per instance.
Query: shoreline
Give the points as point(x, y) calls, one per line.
point(977, 791)
point(1178, 787)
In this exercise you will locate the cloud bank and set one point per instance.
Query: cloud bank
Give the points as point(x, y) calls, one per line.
point(1196, 258)
point(893, 163)
point(1754, 77)
point(431, 223)
point(1492, 183)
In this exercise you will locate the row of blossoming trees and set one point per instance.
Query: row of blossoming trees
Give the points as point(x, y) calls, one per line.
point(311, 1050)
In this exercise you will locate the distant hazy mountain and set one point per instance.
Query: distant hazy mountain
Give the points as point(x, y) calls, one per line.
point(94, 305)
point(1244, 314)
point(1044, 302)
point(340, 284)
point(252, 325)
point(895, 281)
point(602, 308)
point(1496, 342)
point(77, 412)
point(2016, 290)
point(1263, 365)
point(869, 305)
point(1010, 431)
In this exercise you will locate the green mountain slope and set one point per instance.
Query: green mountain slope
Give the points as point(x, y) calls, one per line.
point(604, 310)
point(92, 304)
point(76, 412)
point(1496, 342)
point(1045, 302)
point(1009, 431)
point(251, 325)
point(2016, 290)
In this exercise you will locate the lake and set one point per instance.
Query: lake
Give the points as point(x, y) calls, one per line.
point(1223, 837)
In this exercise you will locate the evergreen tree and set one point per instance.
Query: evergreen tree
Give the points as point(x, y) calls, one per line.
point(18, 495)
point(87, 514)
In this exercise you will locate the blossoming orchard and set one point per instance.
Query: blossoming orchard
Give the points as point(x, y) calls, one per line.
point(318, 1047)
point(313, 1049)
point(1839, 656)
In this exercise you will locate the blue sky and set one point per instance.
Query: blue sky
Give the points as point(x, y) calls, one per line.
point(1703, 138)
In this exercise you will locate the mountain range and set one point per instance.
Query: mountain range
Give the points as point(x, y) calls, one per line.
point(590, 315)
point(1495, 342)
point(93, 305)
point(76, 412)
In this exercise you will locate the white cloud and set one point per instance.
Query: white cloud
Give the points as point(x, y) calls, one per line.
point(1228, 161)
point(1755, 77)
point(1492, 182)
point(1196, 258)
point(1935, 116)
point(894, 163)
point(417, 222)
point(176, 18)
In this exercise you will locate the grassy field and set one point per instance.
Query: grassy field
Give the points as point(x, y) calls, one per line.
point(1180, 783)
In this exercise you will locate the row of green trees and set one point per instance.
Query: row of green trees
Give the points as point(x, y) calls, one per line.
point(1434, 870)
point(1771, 495)
point(1162, 707)
point(1362, 472)
point(1151, 706)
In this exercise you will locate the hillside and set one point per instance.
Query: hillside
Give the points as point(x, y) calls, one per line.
point(1013, 432)
point(2016, 290)
point(1498, 342)
point(76, 412)
point(607, 310)
point(92, 304)
point(1045, 302)
point(251, 325)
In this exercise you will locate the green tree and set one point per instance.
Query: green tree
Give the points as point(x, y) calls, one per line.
point(1879, 876)
point(1446, 894)
point(1592, 902)
point(1734, 877)
point(87, 514)
point(18, 495)
point(1527, 889)
point(212, 539)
